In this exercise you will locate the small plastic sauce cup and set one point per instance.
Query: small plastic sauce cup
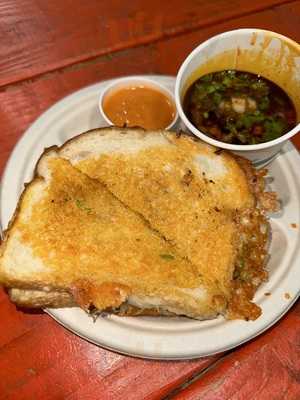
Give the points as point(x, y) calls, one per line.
point(135, 101)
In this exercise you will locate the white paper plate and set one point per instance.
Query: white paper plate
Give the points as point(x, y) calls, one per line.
point(165, 338)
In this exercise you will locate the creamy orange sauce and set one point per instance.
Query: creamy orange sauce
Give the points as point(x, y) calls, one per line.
point(139, 106)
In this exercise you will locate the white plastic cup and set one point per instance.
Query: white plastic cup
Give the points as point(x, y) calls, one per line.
point(261, 52)
point(120, 83)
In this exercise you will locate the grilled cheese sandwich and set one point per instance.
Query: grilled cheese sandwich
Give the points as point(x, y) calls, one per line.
point(139, 222)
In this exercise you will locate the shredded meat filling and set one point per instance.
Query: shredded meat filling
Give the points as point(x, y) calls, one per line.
point(249, 270)
point(252, 253)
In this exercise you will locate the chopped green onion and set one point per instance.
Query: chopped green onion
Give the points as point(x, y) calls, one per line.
point(80, 204)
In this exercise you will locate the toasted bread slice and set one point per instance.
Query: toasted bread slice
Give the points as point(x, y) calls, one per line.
point(183, 189)
point(72, 239)
point(200, 204)
point(41, 298)
point(206, 202)
point(59, 299)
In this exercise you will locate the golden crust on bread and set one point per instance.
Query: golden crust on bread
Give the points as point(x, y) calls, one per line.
point(145, 223)
point(194, 195)
point(185, 191)
point(74, 235)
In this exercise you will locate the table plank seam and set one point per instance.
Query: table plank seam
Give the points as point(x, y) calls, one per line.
point(23, 334)
point(195, 377)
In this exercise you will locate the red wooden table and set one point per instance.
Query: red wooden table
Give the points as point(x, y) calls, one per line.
point(51, 48)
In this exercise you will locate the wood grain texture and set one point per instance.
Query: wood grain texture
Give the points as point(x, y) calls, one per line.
point(38, 358)
point(16, 323)
point(266, 368)
point(21, 104)
point(40, 36)
point(48, 362)
point(284, 19)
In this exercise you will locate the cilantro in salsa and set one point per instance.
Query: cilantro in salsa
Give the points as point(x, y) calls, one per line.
point(239, 107)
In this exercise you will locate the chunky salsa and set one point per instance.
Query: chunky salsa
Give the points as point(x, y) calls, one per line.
point(239, 107)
